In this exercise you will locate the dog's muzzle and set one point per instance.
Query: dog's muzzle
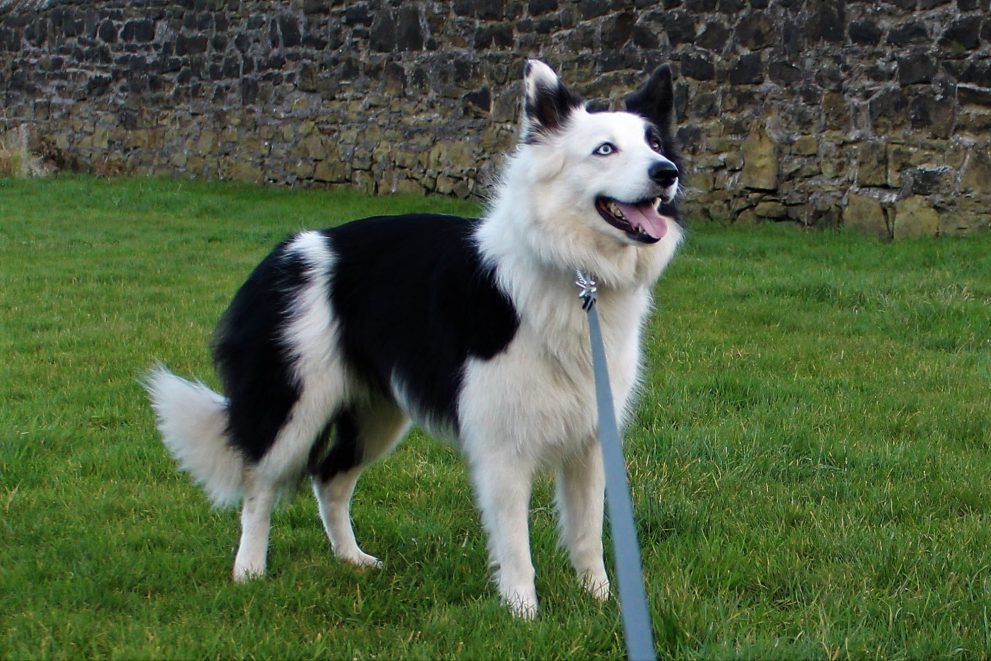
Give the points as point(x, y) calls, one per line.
point(641, 220)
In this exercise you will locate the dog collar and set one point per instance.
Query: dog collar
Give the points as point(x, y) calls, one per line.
point(589, 288)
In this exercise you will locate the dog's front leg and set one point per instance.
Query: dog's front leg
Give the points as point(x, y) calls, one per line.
point(503, 484)
point(580, 495)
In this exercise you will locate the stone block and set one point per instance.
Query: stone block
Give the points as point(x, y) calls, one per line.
point(915, 68)
point(914, 216)
point(748, 70)
point(446, 184)
point(719, 144)
point(888, 110)
point(141, 30)
point(836, 111)
point(206, 141)
point(714, 37)
point(899, 157)
point(826, 21)
point(616, 31)
point(928, 180)
point(62, 141)
point(790, 168)
point(101, 137)
point(864, 32)
point(244, 170)
point(872, 164)
point(679, 27)
point(313, 146)
point(645, 36)
point(369, 182)
point(361, 158)
point(806, 145)
point(913, 32)
point(966, 217)
point(453, 156)
point(301, 169)
point(935, 112)
point(697, 66)
point(977, 172)
point(538, 7)
point(865, 215)
point(732, 161)
point(383, 33)
point(962, 35)
point(745, 217)
point(331, 170)
point(755, 31)
point(973, 125)
point(834, 164)
point(772, 209)
point(784, 73)
point(403, 184)
point(191, 45)
point(478, 101)
point(108, 31)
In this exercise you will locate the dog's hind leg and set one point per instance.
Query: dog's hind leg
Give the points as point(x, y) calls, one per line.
point(256, 517)
point(580, 494)
point(361, 436)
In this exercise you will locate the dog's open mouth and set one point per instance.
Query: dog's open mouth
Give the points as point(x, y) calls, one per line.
point(640, 220)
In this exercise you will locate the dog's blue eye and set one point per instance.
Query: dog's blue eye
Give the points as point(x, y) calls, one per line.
point(605, 149)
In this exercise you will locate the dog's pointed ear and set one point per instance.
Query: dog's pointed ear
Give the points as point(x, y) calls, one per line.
point(654, 100)
point(547, 103)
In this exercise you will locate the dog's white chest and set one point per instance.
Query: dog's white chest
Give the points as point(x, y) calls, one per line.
point(539, 395)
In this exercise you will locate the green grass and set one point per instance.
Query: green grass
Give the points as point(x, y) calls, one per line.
point(810, 460)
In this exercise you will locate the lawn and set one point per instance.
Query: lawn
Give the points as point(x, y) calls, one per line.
point(810, 461)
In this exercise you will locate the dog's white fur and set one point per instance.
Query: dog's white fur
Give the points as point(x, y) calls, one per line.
point(529, 407)
point(534, 405)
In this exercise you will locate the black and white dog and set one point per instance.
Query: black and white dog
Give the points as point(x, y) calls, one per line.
point(471, 328)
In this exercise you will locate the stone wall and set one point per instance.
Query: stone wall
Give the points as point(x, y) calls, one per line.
point(876, 115)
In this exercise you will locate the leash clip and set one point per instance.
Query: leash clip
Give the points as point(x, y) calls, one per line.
point(589, 288)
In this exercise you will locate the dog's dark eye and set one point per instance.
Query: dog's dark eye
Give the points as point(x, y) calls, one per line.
point(605, 149)
point(654, 140)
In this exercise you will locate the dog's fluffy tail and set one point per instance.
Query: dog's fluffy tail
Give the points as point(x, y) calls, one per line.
point(193, 422)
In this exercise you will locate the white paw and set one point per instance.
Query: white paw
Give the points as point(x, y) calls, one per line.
point(361, 560)
point(522, 602)
point(597, 583)
point(246, 572)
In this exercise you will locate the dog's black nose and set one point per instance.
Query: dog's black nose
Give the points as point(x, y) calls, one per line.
point(663, 173)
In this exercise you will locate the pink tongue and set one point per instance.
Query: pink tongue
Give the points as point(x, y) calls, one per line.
point(645, 215)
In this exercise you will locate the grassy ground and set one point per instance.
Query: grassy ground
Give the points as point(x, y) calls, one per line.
point(810, 461)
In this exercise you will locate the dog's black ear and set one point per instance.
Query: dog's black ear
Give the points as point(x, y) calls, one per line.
point(654, 100)
point(547, 103)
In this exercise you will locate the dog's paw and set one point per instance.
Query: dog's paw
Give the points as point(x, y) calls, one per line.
point(245, 573)
point(361, 560)
point(522, 602)
point(597, 584)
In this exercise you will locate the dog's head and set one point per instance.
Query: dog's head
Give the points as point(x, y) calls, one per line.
point(620, 170)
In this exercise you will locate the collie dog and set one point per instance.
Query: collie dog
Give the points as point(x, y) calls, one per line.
point(471, 328)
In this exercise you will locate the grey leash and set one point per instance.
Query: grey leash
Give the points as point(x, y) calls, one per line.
point(629, 573)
